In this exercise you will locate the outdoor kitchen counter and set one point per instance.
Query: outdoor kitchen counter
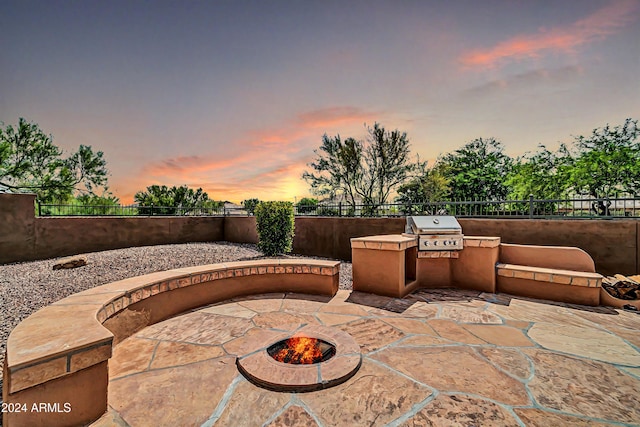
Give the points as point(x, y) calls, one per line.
point(391, 265)
point(384, 265)
point(396, 265)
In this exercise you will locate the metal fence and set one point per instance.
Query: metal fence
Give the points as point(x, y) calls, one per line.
point(59, 209)
point(569, 207)
point(573, 207)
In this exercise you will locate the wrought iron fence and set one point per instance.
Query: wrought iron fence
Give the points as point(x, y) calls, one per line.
point(568, 207)
point(60, 209)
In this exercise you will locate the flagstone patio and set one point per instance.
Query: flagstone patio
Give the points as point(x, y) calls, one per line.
point(433, 358)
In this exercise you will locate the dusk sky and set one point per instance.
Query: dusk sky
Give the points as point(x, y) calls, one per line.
point(234, 96)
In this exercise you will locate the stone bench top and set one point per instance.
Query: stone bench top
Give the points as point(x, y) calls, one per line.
point(551, 275)
point(68, 335)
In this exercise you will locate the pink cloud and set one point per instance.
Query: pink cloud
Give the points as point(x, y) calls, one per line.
point(268, 161)
point(594, 27)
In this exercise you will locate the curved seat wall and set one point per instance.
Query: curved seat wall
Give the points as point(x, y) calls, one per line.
point(60, 353)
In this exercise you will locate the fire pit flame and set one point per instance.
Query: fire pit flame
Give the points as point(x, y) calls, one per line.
point(301, 351)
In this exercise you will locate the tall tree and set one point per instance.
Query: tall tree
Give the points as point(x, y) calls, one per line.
point(608, 161)
point(605, 163)
point(388, 164)
point(174, 200)
point(355, 169)
point(339, 168)
point(542, 174)
point(30, 161)
point(428, 187)
point(477, 171)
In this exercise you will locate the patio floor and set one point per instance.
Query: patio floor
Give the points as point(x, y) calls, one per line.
point(438, 357)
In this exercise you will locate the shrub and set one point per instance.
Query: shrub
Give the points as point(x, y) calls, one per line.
point(307, 205)
point(275, 222)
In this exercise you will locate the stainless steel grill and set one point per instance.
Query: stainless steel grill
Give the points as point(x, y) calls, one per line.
point(436, 233)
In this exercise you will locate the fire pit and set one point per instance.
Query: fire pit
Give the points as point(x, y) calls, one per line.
point(315, 357)
point(302, 350)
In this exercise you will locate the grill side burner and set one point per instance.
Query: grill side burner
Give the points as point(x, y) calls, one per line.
point(436, 233)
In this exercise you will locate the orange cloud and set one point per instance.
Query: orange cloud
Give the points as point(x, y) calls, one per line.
point(268, 162)
point(333, 116)
point(187, 165)
point(596, 26)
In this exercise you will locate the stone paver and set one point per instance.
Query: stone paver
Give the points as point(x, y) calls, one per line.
point(293, 416)
point(170, 353)
point(371, 334)
point(199, 328)
point(588, 342)
point(434, 358)
point(539, 418)
point(455, 369)
point(134, 355)
point(175, 396)
point(454, 332)
point(500, 335)
point(584, 387)
point(232, 309)
point(282, 320)
point(374, 396)
point(331, 319)
point(509, 360)
point(461, 411)
point(249, 403)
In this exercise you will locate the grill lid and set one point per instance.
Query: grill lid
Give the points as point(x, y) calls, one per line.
point(438, 224)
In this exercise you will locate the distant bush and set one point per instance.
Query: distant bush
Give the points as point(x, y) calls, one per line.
point(275, 224)
point(250, 205)
point(327, 211)
point(307, 205)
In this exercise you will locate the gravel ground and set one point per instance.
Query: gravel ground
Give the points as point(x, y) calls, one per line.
point(28, 286)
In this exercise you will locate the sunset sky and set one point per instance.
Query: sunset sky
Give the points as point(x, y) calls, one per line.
point(234, 96)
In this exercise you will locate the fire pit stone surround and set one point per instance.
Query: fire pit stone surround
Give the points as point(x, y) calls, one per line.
point(260, 368)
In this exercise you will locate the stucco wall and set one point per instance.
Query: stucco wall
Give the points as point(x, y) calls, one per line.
point(24, 237)
point(614, 245)
point(66, 236)
point(330, 237)
point(240, 229)
point(17, 227)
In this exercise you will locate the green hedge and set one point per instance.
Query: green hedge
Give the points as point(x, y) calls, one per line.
point(275, 222)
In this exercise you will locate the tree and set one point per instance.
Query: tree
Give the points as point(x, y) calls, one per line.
point(388, 164)
point(250, 205)
point(607, 162)
point(162, 200)
point(354, 169)
point(29, 161)
point(339, 167)
point(429, 187)
point(477, 171)
point(541, 174)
